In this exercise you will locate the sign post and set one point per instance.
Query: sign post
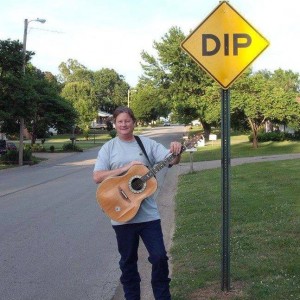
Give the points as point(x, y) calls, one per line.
point(225, 190)
point(224, 45)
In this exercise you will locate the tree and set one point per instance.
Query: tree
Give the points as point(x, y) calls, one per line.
point(90, 91)
point(82, 97)
point(180, 81)
point(145, 105)
point(11, 58)
point(15, 90)
point(110, 88)
point(43, 106)
point(48, 108)
point(72, 70)
point(265, 96)
point(33, 96)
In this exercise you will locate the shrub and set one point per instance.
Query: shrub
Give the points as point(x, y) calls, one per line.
point(293, 136)
point(269, 136)
point(71, 148)
point(52, 148)
point(11, 157)
point(38, 148)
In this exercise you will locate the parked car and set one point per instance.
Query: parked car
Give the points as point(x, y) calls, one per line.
point(6, 146)
point(167, 123)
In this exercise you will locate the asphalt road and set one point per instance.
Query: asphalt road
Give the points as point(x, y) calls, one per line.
point(55, 243)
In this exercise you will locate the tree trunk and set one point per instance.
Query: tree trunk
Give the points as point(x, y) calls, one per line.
point(254, 128)
point(206, 128)
point(255, 141)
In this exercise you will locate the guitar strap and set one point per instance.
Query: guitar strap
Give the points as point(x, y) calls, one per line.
point(137, 138)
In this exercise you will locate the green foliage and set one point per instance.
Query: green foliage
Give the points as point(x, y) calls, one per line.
point(35, 148)
point(90, 91)
point(266, 96)
point(81, 96)
point(33, 96)
point(38, 148)
point(145, 104)
point(11, 157)
point(11, 57)
point(71, 148)
point(52, 148)
point(268, 136)
point(181, 84)
point(191, 94)
point(275, 136)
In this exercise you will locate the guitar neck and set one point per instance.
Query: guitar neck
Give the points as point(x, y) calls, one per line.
point(160, 165)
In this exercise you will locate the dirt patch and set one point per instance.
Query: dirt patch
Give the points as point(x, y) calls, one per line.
point(214, 292)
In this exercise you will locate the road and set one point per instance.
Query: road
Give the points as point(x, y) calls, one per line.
point(55, 243)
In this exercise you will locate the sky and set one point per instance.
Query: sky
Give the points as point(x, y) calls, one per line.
point(113, 33)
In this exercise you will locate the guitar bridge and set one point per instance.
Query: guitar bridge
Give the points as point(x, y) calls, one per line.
point(123, 194)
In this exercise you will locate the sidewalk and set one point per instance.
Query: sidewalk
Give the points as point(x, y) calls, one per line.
point(166, 204)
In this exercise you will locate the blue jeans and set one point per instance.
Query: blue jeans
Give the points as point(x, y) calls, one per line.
point(128, 236)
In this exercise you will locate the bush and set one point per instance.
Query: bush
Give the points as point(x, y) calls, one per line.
point(11, 157)
point(38, 148)
point(269, 136)
point(71, 148)
point(35, 148)
point(52, 148)
point(293, 136)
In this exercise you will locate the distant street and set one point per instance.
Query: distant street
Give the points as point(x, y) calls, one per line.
point(55, 241)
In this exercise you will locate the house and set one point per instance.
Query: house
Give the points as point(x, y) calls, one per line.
point(101, 120)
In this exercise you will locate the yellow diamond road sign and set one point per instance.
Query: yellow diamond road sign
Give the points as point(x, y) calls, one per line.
point(224, 44)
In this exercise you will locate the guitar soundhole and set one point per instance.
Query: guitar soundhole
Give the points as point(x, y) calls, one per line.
point(136, 185)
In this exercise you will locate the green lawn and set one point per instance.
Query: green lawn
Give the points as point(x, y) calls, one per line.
point(264, 233)
point(93, 140)
point(241, 147)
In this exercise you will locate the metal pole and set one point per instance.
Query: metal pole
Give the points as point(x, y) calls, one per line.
point(21, 142)
point(225, 193)
point(22, 125)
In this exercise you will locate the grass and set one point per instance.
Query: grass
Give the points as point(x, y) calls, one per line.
point(264, 233)
point(95, 139)
point(241, 147)
point(58, 141)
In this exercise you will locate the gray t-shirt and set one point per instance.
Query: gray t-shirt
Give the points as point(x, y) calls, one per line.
point(117, 153)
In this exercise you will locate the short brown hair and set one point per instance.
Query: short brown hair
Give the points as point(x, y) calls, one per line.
point(123, 109)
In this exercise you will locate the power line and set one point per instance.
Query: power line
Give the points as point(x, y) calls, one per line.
point(49, 30)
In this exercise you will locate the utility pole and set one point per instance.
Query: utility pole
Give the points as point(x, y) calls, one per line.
point(22, 125)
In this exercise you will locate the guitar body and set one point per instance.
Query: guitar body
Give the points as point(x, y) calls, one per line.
point(120, 197)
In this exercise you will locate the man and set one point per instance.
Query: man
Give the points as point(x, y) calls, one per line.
point(116, 157)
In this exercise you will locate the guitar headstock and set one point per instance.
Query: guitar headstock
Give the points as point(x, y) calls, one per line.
point(191, 142)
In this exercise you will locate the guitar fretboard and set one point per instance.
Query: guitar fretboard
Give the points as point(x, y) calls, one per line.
point(160, 165)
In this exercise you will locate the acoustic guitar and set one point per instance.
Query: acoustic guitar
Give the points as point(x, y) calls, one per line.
point(120, 196)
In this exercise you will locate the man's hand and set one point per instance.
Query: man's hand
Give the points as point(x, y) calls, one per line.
point(175, 148)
